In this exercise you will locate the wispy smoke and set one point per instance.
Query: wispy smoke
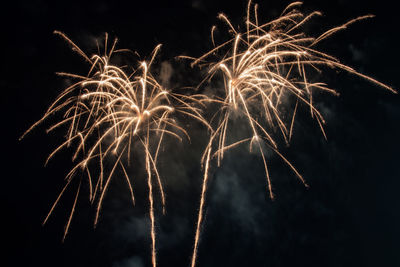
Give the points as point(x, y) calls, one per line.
point(165, 73)
point(129, 262)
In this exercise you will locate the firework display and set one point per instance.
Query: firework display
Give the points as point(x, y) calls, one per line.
point(109, 113)
point(118, 117)
point(265, 70)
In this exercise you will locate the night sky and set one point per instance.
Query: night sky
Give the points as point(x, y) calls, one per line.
point(349, 216)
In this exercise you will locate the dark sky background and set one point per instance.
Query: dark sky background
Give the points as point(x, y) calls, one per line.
point(348, 217)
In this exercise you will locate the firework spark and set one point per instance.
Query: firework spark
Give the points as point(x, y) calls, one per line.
point(263, 68)
point(110, 113)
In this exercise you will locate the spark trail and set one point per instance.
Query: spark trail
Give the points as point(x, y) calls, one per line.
point(109, 113)
point(263, 68)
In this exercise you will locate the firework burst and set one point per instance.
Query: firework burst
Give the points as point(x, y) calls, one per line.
point(263, 68)
point(110, 112)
